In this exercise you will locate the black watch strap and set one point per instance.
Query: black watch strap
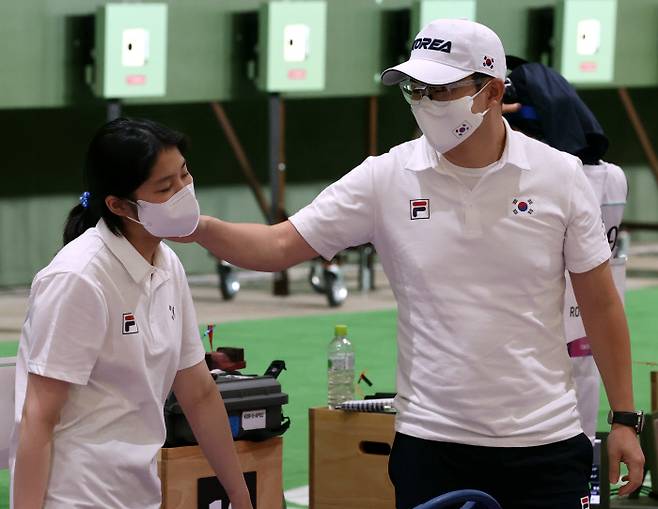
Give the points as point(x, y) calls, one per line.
point(633, 419)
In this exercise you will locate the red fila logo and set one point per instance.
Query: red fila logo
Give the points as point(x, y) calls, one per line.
point(584, 503)
point(419, 209)
point(129, 324)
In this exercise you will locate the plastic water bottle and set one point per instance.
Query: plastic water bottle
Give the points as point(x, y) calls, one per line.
point(340, 372)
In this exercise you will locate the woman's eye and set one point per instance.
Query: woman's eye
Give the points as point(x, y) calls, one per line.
point(165, 190)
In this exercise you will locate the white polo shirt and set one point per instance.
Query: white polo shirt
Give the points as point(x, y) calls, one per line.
point(479, 280)
point(118, 329)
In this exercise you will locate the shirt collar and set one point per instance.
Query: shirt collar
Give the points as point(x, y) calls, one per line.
point(424, 157)
point(129, 257)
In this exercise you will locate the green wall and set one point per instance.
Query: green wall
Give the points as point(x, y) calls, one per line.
point(325, 139)
point(46, 46)
point(210, 44)
point(31, 228)
point(47, 114)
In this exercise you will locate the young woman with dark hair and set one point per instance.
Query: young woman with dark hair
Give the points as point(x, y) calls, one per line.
point(110, 329)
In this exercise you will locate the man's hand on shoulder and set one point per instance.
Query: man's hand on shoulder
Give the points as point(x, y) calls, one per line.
point(197, 234)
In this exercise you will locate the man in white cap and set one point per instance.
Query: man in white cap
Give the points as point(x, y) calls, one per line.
point(474, 225)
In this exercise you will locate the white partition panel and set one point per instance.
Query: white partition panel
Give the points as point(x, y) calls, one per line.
point(7, 377)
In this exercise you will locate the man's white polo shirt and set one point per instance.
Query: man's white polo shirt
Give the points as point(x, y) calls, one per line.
point(479, 280)
point(118, 329)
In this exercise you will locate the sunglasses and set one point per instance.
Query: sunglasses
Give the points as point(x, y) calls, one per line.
point(413, 91)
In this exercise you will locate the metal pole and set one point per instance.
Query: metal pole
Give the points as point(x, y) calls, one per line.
point(241, 156)
point(640, 131)
point(654, 392)
point(367, 253)
point(280, 285)
point(638, 225)
point(373, 111)
point(282, 162)
point(275, 143)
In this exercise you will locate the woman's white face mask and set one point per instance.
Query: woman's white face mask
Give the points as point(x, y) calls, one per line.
point(177, 217)
point(446, 124)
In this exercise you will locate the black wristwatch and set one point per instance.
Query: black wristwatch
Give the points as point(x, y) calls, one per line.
point(633, 419)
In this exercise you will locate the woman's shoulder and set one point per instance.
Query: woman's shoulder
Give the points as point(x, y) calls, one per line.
point(72, 272)
point(76, 257)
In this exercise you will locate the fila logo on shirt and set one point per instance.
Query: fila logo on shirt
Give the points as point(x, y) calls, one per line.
point(522, 206)
point(129, 324)
point(419, 208)
point(584, 503)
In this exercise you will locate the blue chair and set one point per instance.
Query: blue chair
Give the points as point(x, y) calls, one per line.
point(472, 499)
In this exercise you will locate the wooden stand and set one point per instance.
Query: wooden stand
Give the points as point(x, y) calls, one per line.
point(181, 467)
point(349, 459)
point(654, 391)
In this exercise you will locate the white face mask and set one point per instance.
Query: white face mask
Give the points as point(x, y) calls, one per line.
point(446, 124)
point(177, 217)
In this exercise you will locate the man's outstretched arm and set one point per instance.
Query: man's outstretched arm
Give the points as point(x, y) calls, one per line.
point(253, 246)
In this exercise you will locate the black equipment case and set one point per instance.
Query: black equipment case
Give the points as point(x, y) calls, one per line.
point(253, 404)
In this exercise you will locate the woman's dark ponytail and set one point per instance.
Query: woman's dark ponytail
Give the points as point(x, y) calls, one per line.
point(83, 216)
point(119, 160)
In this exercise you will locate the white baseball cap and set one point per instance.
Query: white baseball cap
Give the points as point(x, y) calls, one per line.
point(448, 50)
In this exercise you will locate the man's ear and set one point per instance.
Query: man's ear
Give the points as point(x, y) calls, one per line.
point(495, 91)
point(119, 206)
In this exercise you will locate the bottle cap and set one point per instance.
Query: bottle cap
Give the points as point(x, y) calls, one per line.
point(341, 330)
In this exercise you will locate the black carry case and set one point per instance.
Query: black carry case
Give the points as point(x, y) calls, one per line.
point(253, 404)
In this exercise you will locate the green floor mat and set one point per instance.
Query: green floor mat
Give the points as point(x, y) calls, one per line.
point(4, 489)
point(641, 306)
point(8, 348)
point(302, 343)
